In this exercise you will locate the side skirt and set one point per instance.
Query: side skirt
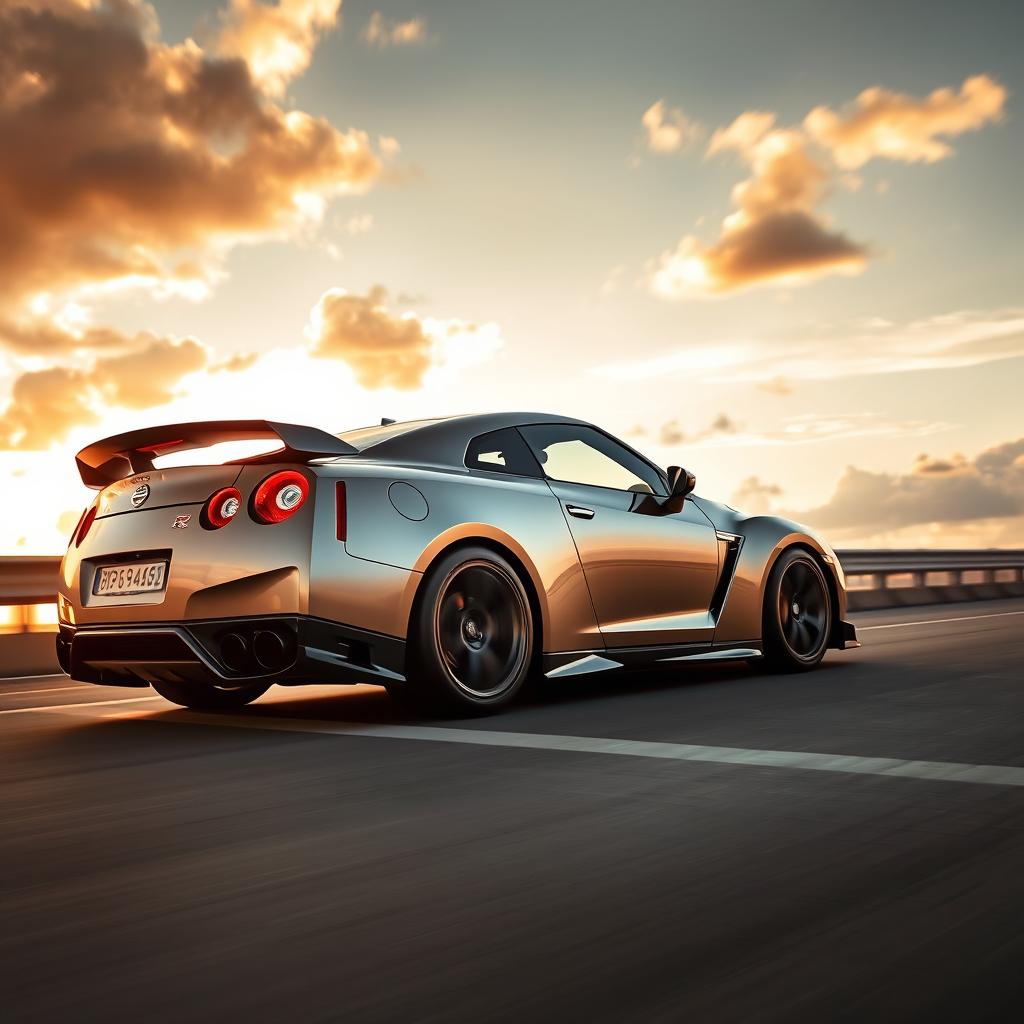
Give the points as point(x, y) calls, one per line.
point(561, 664)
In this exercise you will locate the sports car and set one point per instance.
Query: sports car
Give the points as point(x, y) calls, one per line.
point(450, 560)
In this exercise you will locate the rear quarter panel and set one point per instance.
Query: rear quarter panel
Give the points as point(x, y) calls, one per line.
point(518, 513)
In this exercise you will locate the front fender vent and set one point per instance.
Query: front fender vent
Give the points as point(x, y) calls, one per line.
point(729, 545)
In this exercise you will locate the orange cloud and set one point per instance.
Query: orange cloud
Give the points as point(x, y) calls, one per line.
point(383, 32)
point(382, 349)
point(126, 160)
point(774, 233)
point(390, 350)
point(880, 123)
point(668, 129)
point(777, 232)
point(745, 132)
point(275, 40)
point(45, 405)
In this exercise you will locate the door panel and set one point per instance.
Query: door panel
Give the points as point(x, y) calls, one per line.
point(651, 577)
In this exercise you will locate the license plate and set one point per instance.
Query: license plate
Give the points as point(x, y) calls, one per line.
point(124, 580)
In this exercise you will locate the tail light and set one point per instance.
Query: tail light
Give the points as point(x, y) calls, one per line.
point(74, 532)
point(86, 524)
point(221, 507)
point(280, 496)
point(341, 510)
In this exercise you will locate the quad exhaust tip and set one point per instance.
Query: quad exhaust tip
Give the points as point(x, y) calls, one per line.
point(260, 650)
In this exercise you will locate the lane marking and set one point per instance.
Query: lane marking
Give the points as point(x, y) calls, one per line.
point(935, 622)
point(86, 704)
point(49, 689)
point(38, 675)
point(889, 767)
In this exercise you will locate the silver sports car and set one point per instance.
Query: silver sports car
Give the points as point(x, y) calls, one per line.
point(449, 560)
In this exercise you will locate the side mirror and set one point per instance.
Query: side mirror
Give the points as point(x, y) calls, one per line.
point(680, 482)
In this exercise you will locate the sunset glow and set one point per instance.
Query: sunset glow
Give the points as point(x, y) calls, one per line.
point(798, 276)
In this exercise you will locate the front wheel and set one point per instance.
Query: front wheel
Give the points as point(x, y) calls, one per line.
point(200, 697)
point(471, 643)
point(797, 613)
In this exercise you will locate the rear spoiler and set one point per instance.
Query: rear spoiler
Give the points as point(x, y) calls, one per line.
point(114, 458)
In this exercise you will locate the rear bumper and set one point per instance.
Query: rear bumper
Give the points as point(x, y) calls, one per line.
point(228, 653)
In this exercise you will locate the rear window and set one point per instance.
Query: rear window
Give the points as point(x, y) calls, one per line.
point(366, 437)
point(502, 451)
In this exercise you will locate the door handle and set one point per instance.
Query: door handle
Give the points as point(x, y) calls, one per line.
point(579, 511)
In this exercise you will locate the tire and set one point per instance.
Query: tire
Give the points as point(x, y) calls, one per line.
point(798, 613)
point(471, 641)
point(201, 697)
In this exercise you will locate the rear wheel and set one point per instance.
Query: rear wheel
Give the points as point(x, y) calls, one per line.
point(797, 613)
point(201, 697)
point(471, 644)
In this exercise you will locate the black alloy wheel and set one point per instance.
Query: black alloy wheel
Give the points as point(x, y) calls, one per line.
point(797, 612)
point(471, 649)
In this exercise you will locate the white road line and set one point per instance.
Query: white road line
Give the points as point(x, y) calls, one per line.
point(49, 689)
point(38, 675)
point(934, 771)
point(87, 704)
point(935, 622)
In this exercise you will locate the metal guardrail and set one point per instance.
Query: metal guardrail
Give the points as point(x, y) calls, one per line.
point(881, 565)
point(32, 579)
point(28, 579)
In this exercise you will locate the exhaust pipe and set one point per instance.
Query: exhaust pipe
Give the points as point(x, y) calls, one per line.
point(234, 652)
point(268, 648)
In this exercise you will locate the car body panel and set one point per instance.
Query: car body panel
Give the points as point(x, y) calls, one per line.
point(462, 507)
point(651, 577)
point(644, 578)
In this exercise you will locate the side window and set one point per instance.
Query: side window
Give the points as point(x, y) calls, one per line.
point(583, 455)
point(501, 451)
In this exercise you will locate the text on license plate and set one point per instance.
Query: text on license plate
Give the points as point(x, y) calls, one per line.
point(137, 578)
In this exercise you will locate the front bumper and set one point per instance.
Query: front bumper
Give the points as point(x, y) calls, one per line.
point(846, 636)
point(229, 653)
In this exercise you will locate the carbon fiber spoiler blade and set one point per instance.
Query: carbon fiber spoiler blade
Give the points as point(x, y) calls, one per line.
point(114, 458)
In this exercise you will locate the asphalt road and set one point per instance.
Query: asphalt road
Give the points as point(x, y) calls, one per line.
point(707, 845)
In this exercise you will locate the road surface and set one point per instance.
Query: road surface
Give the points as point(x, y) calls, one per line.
point(707, 845)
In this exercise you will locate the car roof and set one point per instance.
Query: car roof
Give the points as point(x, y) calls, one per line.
point(439, 442)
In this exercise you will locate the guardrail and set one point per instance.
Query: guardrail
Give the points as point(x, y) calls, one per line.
point(894, 577)
point(885, 579)
point(28, 579)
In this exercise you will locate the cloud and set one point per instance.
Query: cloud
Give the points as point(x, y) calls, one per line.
point(777, 385)
point(949, 341)
point(389, 350)
point(275, 40)
point(774, 233)
point(668, 129)
point(127, 161)
point(880, 123)
point(45, 405)
point(743, 134)
point(382, 32)
point(672, 433)
point(754, 496)
point(941, 491)
point(777, 232)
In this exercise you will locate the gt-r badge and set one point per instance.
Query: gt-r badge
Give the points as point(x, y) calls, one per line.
point(139, 495)
point(180, 522)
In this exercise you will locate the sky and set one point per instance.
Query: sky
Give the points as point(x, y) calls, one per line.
point(775, 242)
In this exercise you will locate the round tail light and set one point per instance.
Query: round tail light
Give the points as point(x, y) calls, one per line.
point(221, 508)
point(280, 496)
